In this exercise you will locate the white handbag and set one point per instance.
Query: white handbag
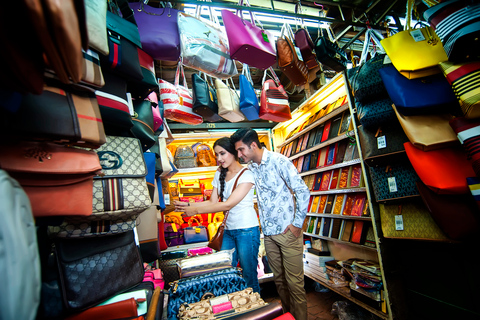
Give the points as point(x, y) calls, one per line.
point(228, 102)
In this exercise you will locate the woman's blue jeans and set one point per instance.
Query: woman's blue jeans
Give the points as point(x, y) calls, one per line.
point(246, 243)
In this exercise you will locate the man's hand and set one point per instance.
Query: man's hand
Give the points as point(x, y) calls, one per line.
point(295, 230)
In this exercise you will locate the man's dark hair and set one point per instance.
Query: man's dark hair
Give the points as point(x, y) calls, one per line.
point(247, 136)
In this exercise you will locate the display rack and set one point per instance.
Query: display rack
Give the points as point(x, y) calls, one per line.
point(287, 136)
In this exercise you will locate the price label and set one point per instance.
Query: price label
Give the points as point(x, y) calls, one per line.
point(381, 142)
point(166, 197)
point(417, 35)
point(398, 222)
point(299, 54)
point(392, 184)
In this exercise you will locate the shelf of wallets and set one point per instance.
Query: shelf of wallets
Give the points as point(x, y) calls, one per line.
point(325, 152)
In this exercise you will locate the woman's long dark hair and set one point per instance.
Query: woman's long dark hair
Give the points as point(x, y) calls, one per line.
point(227, 144)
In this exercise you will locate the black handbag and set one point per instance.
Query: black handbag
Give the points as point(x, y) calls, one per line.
point(372, 114)
point(94, 269)
point(143, 123)
point(205, 99)
point(366, 83)
point(330, 54)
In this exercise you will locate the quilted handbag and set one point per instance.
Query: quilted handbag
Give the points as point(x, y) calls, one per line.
point(288, 61)
point(194, 266)
point(173, 234)
point(372, 114)
point(394, 181)
point(204, 99)
point(249, 43)
point(52, 174)
point(228, 102)
point(248, 98)
point(418, 224)
point(84, 263)
point(465, 81)
point(274, 103)
point(431, 94)
point(207, 308)
point(121, 191)
point(204, 45)
point(79, 227)
point(191, 290)
point(193, 234)
point(160, 43)
point(178, 101)
point(66, 116)
point(330, 55)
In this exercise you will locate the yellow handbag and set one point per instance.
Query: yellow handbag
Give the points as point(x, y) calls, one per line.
point(213, 226)
point(415, 53)
point(174, 217)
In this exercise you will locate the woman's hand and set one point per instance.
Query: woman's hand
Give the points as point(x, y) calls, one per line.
point(184, 207)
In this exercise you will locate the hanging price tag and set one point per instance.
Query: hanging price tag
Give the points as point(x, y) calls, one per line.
point(398, 222)
point(417, 35)
point(166, 196)
point(392, 184)
point(381, 142)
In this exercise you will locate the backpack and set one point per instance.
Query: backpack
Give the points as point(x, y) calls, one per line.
point(185, 157)
point(19, 258)
point(205, 156)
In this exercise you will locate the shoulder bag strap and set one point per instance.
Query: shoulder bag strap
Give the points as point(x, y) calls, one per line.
point(234, 186)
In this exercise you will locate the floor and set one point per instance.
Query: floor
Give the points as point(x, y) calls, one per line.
point(319, 304)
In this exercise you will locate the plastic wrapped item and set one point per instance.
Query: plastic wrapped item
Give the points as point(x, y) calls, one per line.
point(346, 310)
point(205, 156)
point(185, 157)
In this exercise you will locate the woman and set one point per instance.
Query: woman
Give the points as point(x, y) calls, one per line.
point(242, 230)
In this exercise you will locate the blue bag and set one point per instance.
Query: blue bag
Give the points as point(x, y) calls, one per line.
point(432, 94)
point(248, 98)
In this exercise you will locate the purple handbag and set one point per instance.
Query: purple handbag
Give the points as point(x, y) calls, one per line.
point(158, 31)
point(249, 43)
point(173, 234)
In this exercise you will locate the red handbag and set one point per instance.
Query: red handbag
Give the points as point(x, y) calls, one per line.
point(274, 104)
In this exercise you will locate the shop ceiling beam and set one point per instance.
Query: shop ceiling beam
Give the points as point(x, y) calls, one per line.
point(221, 125)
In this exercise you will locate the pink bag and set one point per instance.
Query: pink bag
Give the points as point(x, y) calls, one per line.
point(178, 101)
point(249, 43)
point(157, 117)
point(199, 251)
point(155, 276)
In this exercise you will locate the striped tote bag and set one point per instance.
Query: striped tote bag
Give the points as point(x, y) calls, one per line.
point(274, 104)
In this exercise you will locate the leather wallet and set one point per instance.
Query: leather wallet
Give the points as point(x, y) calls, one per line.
point(122, 309)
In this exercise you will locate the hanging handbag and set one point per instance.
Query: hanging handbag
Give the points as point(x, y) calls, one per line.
point(160, 43)
point(52, 174)
point(372, 114)
point(143, 123)
point(204, 45)
point(274, 105)
point(89, 260)
point(248, 98)
point(468, 133)
point(305, 43)
point(60, 115)
point(194, 234)
point(431, 94)
point(198, 265)
point(96, 14)
point(465, 81)
point(191, 289)
point(147, 231)
point(140, 89)
point(177, 100)
point(216, 241)
point(248, 42)
point(428, 132)
point(228, 102)
point(330, 54)
point(121, 191)
point(415, 53)
point(204, 99)
point(288, 61)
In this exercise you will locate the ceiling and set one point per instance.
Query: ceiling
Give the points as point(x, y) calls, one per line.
point(348, 20)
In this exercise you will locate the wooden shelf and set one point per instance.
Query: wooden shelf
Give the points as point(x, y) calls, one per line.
point(345, 292)
point(346, 135)
point(338, 216)
point(336, 191)
point(340, 241)
point(331, 167)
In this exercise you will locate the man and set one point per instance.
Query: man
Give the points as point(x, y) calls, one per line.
point(276, 178)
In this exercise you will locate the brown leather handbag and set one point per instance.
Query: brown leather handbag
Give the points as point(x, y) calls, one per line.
point(216, 242)
point(288, 60)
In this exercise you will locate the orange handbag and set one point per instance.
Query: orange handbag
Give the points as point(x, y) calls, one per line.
point(444, 171)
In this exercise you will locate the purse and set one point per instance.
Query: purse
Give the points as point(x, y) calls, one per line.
point(177, 100)
point(249, 43)
point(194, 234)
point(147, 231)
point(228, 102)
point(468, 134)
point(204, 99)
point(464, 79)
point(330, 54)
point(305, 43)
point(143, 123)
point(198, 265)
point(214, 225)
point(415, 53)
point(216, 241)
point(204, 45)
point(121, 191)
point(428, 132)
point(67, 116)
point(140, 89)
point(199, 251)
point(248, 98)
point(83, 264)
point(173, 234)
point(431, 94)
point(160, 43)
point(274, 105)
point(185, 157)
point(372, 114)
point(288, 61)
point(96, 14)
point(191, 290)
point(51, 173)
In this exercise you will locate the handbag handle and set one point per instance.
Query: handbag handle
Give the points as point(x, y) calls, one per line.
point(193, 219)
point(233, 189)
point(177, 75)
point(275, 78)
point(253, 17)
point(246, 73)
